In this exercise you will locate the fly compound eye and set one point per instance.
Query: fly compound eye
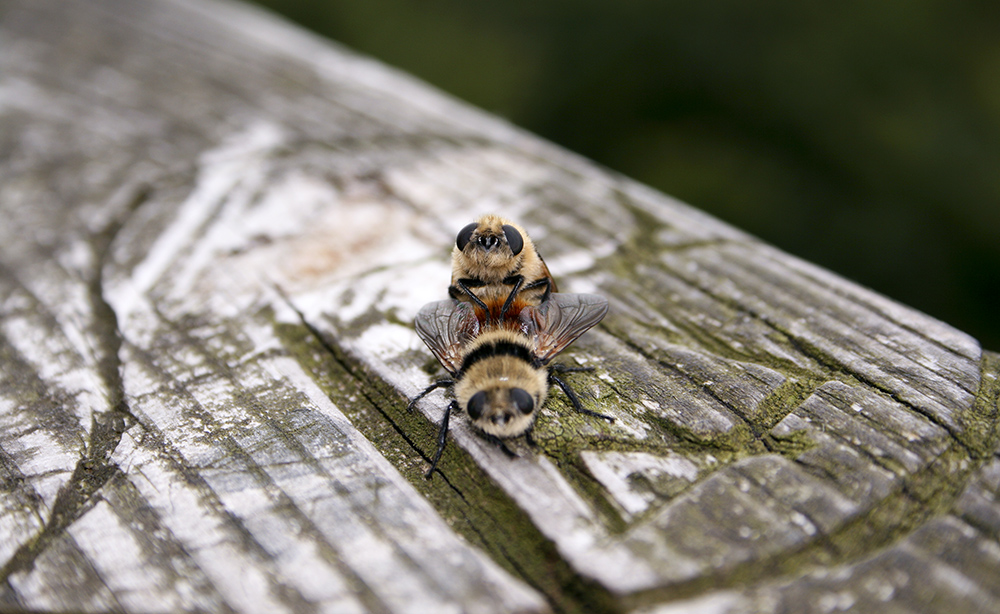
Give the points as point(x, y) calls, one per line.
point(477, 405)
point(521, 400)
point(465, 235)
point(514, 240)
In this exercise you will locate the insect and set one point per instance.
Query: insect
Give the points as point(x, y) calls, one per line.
point(495, 266)
point(500, 373)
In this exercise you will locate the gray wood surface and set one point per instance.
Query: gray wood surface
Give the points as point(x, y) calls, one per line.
point(216, 230)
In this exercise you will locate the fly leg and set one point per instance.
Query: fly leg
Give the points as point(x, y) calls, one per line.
point(464, 286)
point(559, 368)
point(442, 438)
point(516, 281)
point(529, 436)
point(441, 383)
point(573, 399)
point(500, 444)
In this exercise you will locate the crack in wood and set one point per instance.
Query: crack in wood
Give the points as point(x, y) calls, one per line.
point(520, 547)
point(237, 452)
point(78, 495)
point(337, 355)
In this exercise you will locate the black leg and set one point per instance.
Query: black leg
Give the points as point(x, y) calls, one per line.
point(499, 442)
point(574, 400)
point(517, 280)
point(548, 289)
point(465, 284)
point(529, 436)
point(538, 283)
point(441, 383)
point(561, 368)
point(442, 438)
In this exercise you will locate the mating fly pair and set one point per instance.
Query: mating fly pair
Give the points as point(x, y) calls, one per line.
point(498, 333)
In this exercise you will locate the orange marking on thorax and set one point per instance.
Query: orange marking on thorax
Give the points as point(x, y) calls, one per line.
point(511, 319)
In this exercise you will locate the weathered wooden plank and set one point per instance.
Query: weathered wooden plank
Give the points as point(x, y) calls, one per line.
point(259, 494)
point(217, 231)
point(943, 565)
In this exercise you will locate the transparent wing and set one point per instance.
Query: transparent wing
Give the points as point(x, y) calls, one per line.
point(446, 327)
point(558, 321)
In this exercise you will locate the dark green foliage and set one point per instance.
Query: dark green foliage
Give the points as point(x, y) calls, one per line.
point(863, 136)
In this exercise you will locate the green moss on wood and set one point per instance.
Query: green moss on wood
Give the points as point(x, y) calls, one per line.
point(979, 422)
point(462, 493)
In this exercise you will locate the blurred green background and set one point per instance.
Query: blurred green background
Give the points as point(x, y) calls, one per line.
point(861, 135)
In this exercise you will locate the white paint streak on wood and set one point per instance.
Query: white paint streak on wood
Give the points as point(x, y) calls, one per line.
point(617, 472)
point(439, 555)
point(65, 356)
point(222, 171)
point(17, 521)
point(137, 583)
point(719, 602)
point(202, 527)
